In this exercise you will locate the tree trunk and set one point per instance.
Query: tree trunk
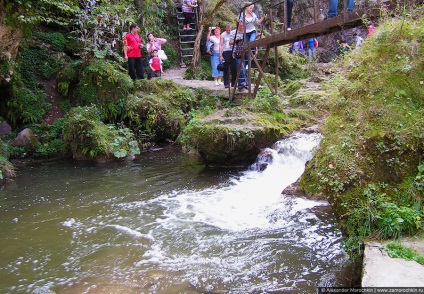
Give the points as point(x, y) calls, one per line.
point(195, 60)
point(139, 7)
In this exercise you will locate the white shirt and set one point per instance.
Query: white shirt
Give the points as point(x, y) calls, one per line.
point(215, 42)
point(227, 38)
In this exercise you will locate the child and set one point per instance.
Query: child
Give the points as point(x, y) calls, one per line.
point(155, 64)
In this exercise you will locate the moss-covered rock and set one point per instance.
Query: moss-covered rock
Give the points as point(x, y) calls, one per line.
point(159, 108)
point(232, 136)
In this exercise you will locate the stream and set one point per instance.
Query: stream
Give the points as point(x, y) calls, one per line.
point(165, 223)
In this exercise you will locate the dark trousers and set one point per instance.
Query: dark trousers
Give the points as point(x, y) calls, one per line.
point(289, 12)
point(229, 67)
point(136, 68)
point(187, 18)
point(156, 73)
point(242, 77)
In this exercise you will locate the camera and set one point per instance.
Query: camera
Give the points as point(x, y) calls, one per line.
point(212, 28)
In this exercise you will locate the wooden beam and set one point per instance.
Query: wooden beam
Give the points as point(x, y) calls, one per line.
point(325, 27)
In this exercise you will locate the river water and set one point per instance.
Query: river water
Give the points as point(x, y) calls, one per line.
point(164, 223)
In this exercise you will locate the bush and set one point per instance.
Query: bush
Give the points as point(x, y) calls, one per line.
point(68, 77)
point(56, 39)
point(38, 61)
point(87, 136)
point(27, 106)
point(105, 85)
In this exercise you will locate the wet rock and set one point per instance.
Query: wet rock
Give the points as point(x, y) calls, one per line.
point(26, 138)
point(312, 129)
point(5, 129)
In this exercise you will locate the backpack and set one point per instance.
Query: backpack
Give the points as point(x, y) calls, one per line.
point(209, 47)
point(239, 49)
point(316, 43)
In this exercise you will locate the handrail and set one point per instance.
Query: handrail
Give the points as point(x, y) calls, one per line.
point(319, 27)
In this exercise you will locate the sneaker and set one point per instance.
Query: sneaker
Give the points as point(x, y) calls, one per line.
point(289, 29)
point(241, 89)
point(220, 83)
point(226, 87)
point(216, 84)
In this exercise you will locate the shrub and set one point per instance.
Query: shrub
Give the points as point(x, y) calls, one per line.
point(68, 77)
point(88, 136)
point(106, 86)
point(56, 39)
point(38, 61)
point(27, 106)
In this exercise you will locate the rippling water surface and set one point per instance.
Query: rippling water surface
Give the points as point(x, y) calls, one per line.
point(166, 224)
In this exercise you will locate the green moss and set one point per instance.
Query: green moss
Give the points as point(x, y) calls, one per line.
point(160, 108)
point(373, 139)
point(6, 168)
point(56, 39)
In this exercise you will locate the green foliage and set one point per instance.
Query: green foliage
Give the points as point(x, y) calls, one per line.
point(374, 135)
point(27, 106)
point(87, 135)
point(51, 138)
point(289, 66)
point(6, 168)
point(100, 30)
point(105, 85)
point(376, 214)
point(68, 77)
point(56, 39)
point(397, 250)
point(38, 62)
point(203, 72)
point(265, 102)
point(159, 108)
point(28, 13)
point(172, 55)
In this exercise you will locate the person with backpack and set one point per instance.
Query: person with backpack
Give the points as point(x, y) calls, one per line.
point(225, 55)
point(215, 39)
point(312, 48)
point(236, 39)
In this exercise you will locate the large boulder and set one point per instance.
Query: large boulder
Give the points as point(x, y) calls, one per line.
point(5, 129)
point(231, 139)
point(26, 138)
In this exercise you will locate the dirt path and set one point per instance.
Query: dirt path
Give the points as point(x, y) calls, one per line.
point(176, 74)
